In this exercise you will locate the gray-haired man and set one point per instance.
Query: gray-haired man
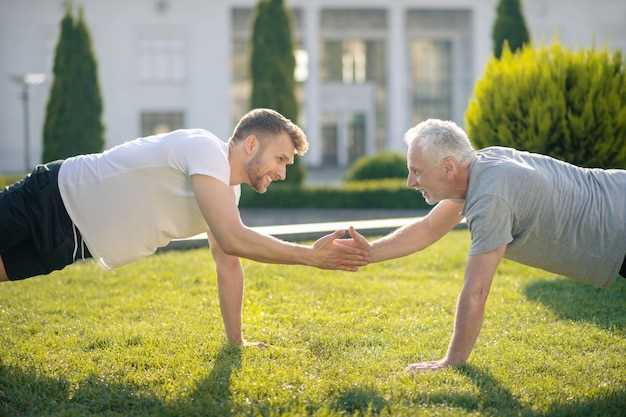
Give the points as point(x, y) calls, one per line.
point(522, 206)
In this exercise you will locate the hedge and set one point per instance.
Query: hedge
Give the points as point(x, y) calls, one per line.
point(385, 164)
point(383, 194)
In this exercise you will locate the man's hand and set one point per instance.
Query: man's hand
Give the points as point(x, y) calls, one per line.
point(330, 254)
point(430, 366)
point(246, 343)
point(356, 240)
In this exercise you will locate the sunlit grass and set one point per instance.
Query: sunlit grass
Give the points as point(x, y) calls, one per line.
point(147, 340)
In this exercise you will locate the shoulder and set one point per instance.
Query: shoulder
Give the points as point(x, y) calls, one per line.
point(495, 175)
point(497, 166)
point(195, 135)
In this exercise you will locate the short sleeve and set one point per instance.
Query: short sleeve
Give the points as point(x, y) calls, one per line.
point(199, 152)
point(490, 221)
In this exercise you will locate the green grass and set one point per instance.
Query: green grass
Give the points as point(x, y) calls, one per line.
point(146, 340)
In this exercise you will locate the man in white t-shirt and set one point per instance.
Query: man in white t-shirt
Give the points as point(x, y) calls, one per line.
point(125, 203)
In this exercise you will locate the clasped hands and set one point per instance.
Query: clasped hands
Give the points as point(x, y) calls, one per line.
point(347, 254)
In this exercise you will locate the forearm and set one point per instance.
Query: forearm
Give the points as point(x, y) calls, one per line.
point(249, 244)
point(469, 318)
point(420, 234)
point(230, 288)
point(404, 241)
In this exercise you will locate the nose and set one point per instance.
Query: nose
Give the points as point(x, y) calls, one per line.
point(411, 180)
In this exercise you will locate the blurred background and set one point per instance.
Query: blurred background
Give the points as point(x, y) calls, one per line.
point(364, 70)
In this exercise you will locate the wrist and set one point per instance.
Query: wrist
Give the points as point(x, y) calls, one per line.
point(307, 256)
point(452, 359)
point(237, 341)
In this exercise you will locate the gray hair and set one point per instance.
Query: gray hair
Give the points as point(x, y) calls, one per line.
point(440, 139)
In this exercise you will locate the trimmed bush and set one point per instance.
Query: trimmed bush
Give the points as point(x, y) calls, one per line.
point(379, 166)
point(384, 194)
point(549, 100)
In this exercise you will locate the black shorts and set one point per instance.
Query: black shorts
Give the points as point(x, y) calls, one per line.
point(37, 235)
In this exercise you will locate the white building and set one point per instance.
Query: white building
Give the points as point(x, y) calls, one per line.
point(367, 69)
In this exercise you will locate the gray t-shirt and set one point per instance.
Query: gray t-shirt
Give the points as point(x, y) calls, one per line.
point(551, 214)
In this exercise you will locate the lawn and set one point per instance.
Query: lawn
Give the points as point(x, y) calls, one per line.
point(147, 340)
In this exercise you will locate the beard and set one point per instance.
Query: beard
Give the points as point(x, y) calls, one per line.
point(257, 178)
point(428, 199)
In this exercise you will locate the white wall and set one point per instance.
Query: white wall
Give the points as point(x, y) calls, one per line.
point(28, 26)
point(115, 26)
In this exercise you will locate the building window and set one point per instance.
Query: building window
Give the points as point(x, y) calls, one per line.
point(431, 79)
point(154, 123)
point(440, 58)
point(162, 60)
point(353, 51)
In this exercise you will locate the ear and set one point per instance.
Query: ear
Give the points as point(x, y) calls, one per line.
point(251, 144)
point(450, 167)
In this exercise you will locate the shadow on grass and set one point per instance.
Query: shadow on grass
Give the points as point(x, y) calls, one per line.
point(361, 401)
point(494, 399)
point(497, 400)
point(25, 393)
point(570, 300)
point(212, 396)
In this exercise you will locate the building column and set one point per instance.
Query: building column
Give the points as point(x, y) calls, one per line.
point(312, 87)
point(342, 138)
point(398, 79)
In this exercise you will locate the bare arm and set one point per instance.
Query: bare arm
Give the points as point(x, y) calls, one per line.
point(419, 235)
point(217, 203)
point(230, 289)
point(470, 310)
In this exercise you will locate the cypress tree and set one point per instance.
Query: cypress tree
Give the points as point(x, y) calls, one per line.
point(73, 123)
point(509, 27)
point(272, 67)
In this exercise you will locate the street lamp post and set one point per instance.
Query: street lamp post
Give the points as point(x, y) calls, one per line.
point(25, 81)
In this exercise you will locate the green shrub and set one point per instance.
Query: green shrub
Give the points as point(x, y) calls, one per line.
point(569, 105)
point(384, 194)
point(382, 165)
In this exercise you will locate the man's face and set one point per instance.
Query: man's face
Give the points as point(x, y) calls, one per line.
point(270, 160)
point(427, 176)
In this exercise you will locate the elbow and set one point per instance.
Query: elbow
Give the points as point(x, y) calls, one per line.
point(476, 297)
point(227, 263)
point(230, 247)
point(231, 243)
point(224, 260)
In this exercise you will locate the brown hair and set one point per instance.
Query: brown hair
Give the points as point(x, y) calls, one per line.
point(270, 122)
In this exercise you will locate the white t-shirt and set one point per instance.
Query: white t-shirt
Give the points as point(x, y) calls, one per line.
point(136, 197)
